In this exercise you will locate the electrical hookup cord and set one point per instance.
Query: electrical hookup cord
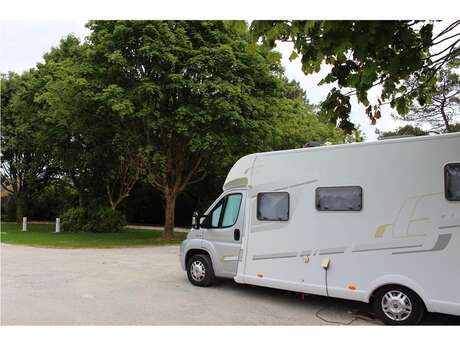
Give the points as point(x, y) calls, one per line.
point(355, 317)
point(324, 308)
point(317, 314)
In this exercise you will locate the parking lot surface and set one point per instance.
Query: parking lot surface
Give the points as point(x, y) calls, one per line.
point(146, 286)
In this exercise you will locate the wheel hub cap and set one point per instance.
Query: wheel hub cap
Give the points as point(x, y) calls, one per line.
point(197, 270)
point(396, 305)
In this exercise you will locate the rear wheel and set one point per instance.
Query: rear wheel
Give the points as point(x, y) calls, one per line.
point(200, 271)
point(398, 305)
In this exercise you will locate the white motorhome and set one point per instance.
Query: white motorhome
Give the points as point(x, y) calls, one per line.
point(377, 222)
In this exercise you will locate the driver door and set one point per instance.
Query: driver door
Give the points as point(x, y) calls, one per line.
point(225, 232)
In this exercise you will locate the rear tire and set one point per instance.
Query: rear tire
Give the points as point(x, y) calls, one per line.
point(398, 305)
point(200, 271)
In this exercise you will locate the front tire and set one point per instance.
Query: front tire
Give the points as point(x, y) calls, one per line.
point(200, 271)
point(398, 305)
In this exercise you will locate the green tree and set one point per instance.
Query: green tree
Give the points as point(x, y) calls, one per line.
point(364, 54)
point(454, 127)
point(407, 130)
point(199, 86)
point(67, 100)
point(206, 94)
point(97, 146)
point(168, 102)
point(298, 123)
point(443, 111)
point(27, 164)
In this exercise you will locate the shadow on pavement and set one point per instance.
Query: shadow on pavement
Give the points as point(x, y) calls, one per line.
point(320, 302)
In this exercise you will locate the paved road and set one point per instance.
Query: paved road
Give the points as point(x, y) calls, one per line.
point(144, 286)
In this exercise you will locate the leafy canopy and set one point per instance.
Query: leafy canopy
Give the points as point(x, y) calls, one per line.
point(442, 114)
point(169, 102)
point(364, 54)
point(205, 94)
point(201, 88)
point(27, 163)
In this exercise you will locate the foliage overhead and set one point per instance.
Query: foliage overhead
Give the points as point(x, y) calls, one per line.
point(205, 94)
point(166, 102)
point(364, 54)
point(442, 114)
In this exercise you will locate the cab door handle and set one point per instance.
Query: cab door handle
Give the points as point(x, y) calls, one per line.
point(236, 234)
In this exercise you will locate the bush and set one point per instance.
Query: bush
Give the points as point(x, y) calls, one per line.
point(104, 219)
point(101, 219)
point(74, 219)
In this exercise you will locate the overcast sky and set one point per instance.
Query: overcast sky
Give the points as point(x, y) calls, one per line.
point(23, 44)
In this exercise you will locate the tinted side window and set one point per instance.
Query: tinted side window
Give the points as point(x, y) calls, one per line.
point(226, 211)
point(273, 206)
point(232, 208)
point(347, 198)
point(452, 181)
point(215, 215)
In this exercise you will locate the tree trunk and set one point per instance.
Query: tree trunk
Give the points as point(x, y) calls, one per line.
point(444, 116)
point(21, 208)
point(170, 208)
point(83, 199)
point(114, 205)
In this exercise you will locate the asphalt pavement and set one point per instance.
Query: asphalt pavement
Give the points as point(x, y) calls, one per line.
point(146, 286)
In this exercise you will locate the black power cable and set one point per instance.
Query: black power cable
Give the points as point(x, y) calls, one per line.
point(355, 317)
point(331, 321)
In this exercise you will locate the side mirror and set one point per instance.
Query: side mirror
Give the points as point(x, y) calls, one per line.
point(195, 221)
point(204, 222)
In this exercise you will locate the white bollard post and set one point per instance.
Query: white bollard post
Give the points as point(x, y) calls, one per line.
point(58, 225)
point(24, 223)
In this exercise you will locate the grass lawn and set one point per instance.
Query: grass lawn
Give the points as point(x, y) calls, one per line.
point(42, 235)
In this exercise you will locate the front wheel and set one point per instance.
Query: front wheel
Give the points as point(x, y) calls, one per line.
point(397, 305)
point(200, 271)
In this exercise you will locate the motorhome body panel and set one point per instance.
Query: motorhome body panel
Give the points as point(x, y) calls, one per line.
point(406, 232)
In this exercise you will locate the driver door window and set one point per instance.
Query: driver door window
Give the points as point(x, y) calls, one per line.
point(232, 208)
point(225, 213)
point(215, 215)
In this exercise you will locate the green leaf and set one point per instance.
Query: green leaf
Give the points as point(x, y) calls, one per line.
point(293, 56)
